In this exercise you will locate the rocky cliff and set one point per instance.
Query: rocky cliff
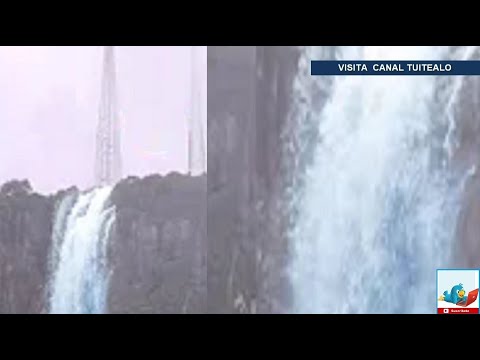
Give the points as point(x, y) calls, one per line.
point(248, 97)
point(466, 160)
point(157, 248)
point(25, 235)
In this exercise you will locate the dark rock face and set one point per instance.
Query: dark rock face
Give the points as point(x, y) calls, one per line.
point(158, 248)
point(466, 157)
point(25, 235)
point(248, 97)
point(276, 68)
point(15, 187)
point(231, 253)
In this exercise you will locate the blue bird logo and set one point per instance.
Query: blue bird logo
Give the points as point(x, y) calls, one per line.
point(456, 295)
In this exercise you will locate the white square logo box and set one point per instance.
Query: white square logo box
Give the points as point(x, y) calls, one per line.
point(457, 291)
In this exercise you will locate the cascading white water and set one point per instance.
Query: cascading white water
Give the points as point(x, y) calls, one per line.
point(376, 208)
point(78, 262)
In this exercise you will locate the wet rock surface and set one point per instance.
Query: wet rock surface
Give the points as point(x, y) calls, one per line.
point(25, 235)
point(158, 246)
point(466, 160)
point(248, 97)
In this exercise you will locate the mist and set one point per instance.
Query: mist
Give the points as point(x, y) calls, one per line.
point(49, 99)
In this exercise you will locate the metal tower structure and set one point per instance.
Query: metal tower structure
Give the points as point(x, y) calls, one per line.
point(108, 153)
point(196, 135)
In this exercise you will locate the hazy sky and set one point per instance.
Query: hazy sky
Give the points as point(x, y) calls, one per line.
point(49, 99)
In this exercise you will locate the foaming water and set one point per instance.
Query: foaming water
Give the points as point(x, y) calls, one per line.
point(376, 208)
point(79, 262)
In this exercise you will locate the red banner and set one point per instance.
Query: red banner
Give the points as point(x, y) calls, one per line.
point(458, 311)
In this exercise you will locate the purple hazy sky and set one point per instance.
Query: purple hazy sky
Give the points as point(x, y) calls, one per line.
point(49, 99)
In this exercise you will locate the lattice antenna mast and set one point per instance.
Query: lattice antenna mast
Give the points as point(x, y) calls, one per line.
point(108, 164)
point(196, 146)
point(190, 145)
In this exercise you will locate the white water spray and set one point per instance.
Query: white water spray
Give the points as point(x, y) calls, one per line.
point(79, 262)
point(376, 210)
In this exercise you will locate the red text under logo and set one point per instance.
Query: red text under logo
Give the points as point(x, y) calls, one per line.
point(458, 311)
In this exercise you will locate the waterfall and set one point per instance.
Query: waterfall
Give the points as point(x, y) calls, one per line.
point(375, 203)
point(78, 260)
